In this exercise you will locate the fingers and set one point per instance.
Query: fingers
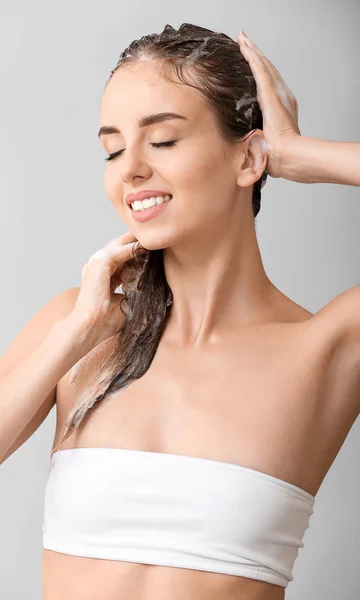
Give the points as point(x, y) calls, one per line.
point(255, 56)
point(270, 85)
point(264, 80)
point(245, 43)
point(110, 251)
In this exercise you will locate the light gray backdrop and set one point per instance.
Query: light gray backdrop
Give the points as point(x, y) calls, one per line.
point(54, 60)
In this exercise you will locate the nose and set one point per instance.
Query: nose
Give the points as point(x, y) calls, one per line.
point(133, 165)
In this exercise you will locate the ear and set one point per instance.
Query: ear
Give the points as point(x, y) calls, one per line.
point(252, 158)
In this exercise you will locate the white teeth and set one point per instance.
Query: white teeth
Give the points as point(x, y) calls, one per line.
point(148, 202)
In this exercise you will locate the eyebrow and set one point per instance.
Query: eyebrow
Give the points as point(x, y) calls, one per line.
point(143, 122)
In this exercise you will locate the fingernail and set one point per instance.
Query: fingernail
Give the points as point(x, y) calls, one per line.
point(247, 40)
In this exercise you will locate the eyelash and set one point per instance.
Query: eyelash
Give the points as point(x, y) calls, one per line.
point(157, 145)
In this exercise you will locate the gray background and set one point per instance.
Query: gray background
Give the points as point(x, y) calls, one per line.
point(55, 58)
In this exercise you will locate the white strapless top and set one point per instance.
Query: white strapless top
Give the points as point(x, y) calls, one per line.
point(174, 510)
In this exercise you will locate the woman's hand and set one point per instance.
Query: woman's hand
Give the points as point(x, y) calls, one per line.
point(98, 307)
point(278, 105)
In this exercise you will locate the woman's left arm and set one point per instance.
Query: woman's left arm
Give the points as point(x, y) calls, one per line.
point(289, 154)
point(310, 160)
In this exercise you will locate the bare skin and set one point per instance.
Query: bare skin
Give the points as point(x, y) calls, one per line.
point(242, 373)
point(244, 420)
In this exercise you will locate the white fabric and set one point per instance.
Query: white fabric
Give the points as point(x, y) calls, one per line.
point(174, 510)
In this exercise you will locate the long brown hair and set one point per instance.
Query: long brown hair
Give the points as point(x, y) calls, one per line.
point(212, 63)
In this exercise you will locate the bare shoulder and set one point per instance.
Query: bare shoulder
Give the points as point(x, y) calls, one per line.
point(335, 331)
point(337, 322)
point(26, 342)
point(340, 320)
point(35, 330)
point(67, 299)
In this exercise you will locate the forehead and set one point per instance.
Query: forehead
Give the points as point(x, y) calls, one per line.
point(139, 89)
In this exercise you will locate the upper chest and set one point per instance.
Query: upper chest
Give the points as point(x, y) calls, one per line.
point(261, 399)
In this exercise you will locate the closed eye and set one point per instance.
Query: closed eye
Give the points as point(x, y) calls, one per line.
point(157, 145)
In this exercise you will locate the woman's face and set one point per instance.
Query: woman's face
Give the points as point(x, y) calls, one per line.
point(199, 170)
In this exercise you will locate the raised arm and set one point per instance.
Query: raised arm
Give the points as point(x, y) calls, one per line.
point(310, 160)
point(338, 325)
point(289, 154)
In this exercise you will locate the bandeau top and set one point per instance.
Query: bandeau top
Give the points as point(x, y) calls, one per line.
point(174, 510)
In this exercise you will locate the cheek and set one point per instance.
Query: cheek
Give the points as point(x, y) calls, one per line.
point(205, 172)
point(196, 169)
point(211, 186)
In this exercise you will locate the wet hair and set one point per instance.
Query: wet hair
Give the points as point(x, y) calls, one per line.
point(212, 63)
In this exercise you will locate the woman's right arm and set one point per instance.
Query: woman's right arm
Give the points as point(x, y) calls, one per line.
point(41, 354)
point(56, 338)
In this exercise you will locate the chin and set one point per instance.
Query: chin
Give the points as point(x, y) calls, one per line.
point(153, 240)
point(150, 244)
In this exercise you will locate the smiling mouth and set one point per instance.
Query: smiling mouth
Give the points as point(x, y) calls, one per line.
point(152, 206)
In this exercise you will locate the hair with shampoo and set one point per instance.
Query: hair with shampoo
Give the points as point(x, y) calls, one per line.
point(212, 63)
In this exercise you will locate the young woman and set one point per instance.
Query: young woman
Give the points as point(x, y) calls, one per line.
point(199, 409)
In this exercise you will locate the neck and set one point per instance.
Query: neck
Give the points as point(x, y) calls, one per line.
point(218, 283)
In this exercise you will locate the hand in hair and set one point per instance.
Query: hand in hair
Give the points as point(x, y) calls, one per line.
point(98, 306)
point(278, 105)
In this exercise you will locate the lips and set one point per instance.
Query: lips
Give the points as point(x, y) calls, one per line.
point(141, 195)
